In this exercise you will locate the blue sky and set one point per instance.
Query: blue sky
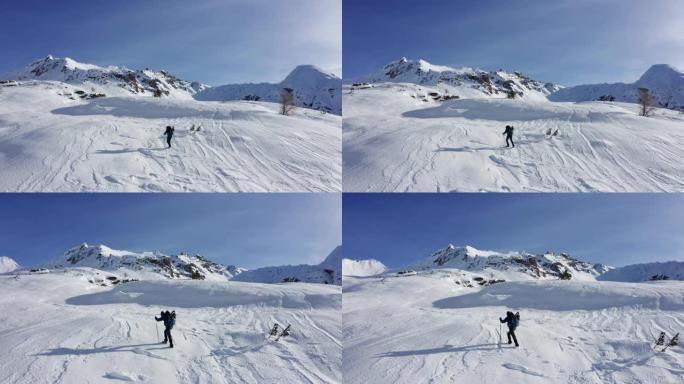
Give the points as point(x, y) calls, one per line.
point(248, 230)
point(567, 42)
point(212, 41)
point(614, 229)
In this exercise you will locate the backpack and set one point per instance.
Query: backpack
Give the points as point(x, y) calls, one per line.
point(516, 319)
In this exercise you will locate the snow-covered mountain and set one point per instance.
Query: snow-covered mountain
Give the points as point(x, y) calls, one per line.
point(670, 270)
point(451, 83)
point(663, 81)
point(491, 266)
point(327, 272)
point(144, 265)
point(7, 264)
point(312, 88)
point(362, 268)
point(106, 81)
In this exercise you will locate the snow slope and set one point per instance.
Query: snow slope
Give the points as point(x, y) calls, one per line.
point(327, 272)
point(311, 86)
point(428, 329)
point(361, 268)
point(76, 332)
point(49, 142)
point(397, 138)
point(663, 81)
point(670, 270)
point(7, 264)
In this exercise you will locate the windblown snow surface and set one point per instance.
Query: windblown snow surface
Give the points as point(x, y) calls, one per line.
point(59, 328)
point(428, 329)
point(80, 129)
point(401, 135)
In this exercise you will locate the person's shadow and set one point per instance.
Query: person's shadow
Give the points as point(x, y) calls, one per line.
point(444, 349)
point(90, 351)
point(129, 150)
point(468, 149)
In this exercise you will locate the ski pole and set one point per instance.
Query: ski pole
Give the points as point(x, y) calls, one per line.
point(157, 328)
point(500, 331)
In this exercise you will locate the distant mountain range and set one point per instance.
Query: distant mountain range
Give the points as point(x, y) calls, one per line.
point(120, 266)
point(327, 272)
point(312, 88)
point(478, 267)
point(663, 81)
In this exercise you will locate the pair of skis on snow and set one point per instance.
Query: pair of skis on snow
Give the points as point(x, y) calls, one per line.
point(276, 328)
point(661, 341)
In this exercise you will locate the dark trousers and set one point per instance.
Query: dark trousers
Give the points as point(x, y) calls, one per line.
point(511, 332)
point(167, 336)
point(168, 140)
point(510, 138)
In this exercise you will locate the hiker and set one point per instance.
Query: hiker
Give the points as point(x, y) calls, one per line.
point(509, 135)
point(169, 134)
point(169, 320)
point(512, 321)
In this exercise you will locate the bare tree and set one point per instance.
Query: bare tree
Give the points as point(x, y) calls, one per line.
point(645, 102)
point(286, 101)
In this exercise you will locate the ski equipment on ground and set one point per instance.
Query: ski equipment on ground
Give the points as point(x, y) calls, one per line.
point(284, 332)
point(672, 343)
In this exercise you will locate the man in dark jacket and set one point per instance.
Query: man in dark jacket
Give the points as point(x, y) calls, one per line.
point(169, 320)
point(512, 321)
point(509, 135)
point(169, 134)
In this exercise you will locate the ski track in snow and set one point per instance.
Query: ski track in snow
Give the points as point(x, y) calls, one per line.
point(394, 333)
point(45, 340)
point(393, 143)
point(116, 144)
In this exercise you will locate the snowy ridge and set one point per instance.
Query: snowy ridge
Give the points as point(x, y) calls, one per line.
point(670, 270)
point(327, 272)
point(447, 82)
point(144, 265)
point(311, 87)
point(663, 81)
point(361, 268)
point(7, 264)
point(511, 265)
point(109, 81)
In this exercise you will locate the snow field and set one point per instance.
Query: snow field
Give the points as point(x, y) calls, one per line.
point(115, 144)
point(58, 329)
point(425, 329)
point(395, 143)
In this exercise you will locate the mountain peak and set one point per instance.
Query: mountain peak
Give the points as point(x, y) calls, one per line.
point(7, 264)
